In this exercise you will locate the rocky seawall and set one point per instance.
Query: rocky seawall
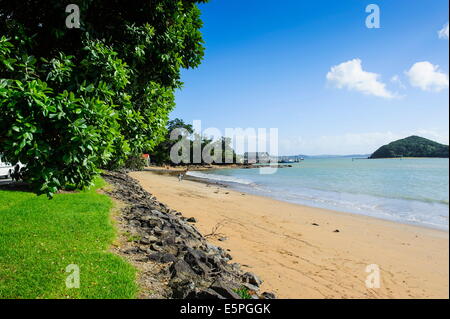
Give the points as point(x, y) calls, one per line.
point(187, 265)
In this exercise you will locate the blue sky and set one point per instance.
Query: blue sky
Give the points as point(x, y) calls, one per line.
point(270, 64)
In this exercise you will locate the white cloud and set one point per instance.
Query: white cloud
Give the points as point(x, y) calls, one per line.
point(443, 33)
point(351, 75)
point(427, 77)
point(353, 143)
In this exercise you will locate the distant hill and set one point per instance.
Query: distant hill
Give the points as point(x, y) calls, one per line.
point(413, 146)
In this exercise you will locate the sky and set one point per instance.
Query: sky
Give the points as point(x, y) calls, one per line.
point(313, 70)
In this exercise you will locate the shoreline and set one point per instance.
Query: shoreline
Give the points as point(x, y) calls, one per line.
point(175, 170)
point(296, 250)
point(411, 224)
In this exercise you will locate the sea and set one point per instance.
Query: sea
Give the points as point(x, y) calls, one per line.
point(408, 190)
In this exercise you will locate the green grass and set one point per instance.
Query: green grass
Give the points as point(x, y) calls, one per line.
point(39, 238)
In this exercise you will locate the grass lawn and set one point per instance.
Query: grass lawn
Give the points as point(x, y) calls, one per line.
point(39, 238)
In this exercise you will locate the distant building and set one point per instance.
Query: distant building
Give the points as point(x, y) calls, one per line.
point(256, 157)
point(290, 159)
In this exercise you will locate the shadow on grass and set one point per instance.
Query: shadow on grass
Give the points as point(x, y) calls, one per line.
point(15, 186)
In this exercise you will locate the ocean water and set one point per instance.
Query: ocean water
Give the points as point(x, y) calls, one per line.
point(413, 191)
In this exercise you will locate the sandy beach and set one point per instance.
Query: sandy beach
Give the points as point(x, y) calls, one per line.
point(304, 252)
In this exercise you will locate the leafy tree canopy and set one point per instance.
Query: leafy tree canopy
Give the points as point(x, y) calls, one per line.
point(75, 100)
point(220, 151)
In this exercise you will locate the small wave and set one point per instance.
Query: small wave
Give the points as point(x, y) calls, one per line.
point(388, 196)
point(220, 178)
point(419, 199)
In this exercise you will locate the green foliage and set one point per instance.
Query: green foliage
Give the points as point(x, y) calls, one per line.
point(73, 101)
point(413, 146)
point(161, 153)
point(136, 163)
point(40, 238)
point(243, 293)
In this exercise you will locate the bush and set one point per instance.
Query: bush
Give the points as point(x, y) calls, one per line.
point(135, 163)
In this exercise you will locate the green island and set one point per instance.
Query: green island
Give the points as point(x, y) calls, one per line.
point(413, 146)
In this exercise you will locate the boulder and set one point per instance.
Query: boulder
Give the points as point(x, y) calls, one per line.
point(224, 289)
point(162, 257)
point(182, 289)
point(252, 279)
point(181, 269)
point(268, 295)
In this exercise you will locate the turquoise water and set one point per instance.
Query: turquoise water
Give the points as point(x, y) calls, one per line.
point(405, 190)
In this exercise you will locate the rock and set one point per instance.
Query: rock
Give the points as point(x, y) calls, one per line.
point(133, 250)
point(161, 233)
point(222, 239)
point(236, 267)
point(135, 223)
point(204, 294)
point(224, 289)
point(212, 249)
point(145, 218)
point(157, 213)
point(337, 231)
point(191, 242)
point(169, 240)
point(143, 248)
point(152, 239)
point(183, 289)
point(250, 287)
point(144, 241)
point(251, 279)
point(196, 259)
point(171, 249)
point(157, 230)
point(162, 257)
point(268, 295)
point(314, 224)
point(191, 220)
point(154, 223)
point(181, 269)
point(156, 247)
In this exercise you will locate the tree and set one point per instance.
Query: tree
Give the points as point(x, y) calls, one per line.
point(73, 101)
point(161, 153)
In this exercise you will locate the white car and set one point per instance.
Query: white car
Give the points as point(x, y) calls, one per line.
point(7, 169)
